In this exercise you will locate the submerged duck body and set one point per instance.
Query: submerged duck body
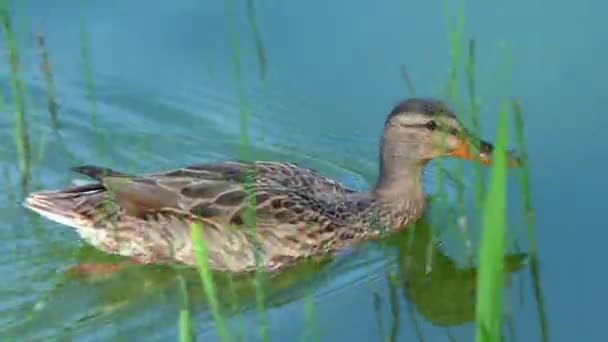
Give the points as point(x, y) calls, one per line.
point(299, 213)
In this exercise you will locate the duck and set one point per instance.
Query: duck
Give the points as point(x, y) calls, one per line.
point(262, 214)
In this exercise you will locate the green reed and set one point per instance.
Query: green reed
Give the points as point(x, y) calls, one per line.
point(491, 250)
point(479, 186)
point(524, 179)
point(185, 318)
point(392, 281)
point(455, 36)
point(234, 303)
point(249, 214)
point(6, 176)
point(257, 38)
point(51, 94)
point(22, 140)
point(250, 211)
point(200, 252)
point(309, 317)
point(28, 155)
point(48, 80)
point(86, 68)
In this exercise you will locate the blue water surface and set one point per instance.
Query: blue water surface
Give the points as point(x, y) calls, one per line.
point(167, 94)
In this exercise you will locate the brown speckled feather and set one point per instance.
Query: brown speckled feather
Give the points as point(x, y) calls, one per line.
point(298, 213)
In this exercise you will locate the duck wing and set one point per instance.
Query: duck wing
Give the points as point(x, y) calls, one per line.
point(292, 208)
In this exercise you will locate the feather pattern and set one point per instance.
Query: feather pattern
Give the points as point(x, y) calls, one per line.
point(298, 213)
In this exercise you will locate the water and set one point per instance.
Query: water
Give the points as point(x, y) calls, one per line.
point(165, 97)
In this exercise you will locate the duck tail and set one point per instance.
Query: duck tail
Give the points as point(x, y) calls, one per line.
point(97, 172)
point(65, 206)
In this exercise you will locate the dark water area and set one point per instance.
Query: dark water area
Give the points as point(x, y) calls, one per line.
point(317, 79)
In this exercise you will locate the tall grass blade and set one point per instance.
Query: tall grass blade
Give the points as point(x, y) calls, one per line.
point(84, 54)
point(309, 317)
point(378, 312)
point(45, 66)
point(395, 320)
point(257, 38)
point(17, 89)
point(408, 81)
point(200, 252)
point(527, 204)
point(411, 310)
point(6, 176)
point(249, 216)
point(455, 35)
point(479, 188)
point(185, 318)
point(491, 250)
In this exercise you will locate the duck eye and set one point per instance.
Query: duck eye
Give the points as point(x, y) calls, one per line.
point(431, 125)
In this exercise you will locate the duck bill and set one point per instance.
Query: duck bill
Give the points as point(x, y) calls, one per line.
point(484, 156)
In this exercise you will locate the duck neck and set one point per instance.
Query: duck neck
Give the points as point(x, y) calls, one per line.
point(399, 191)
point(400, 184)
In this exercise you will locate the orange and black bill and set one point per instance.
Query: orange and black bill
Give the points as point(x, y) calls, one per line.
point(486, 150)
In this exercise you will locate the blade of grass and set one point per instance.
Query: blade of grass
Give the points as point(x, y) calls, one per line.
point(408, 81)
point(234, 305)
point(491, 250)
point(6, 175)
point(309, 316)
point(377, 300)
point(200, 252)
point(185, 318)
point(21, 136)
point(86, 67)
point(527, 206)
point(259, 44)
point(249, 216)
point(479, 189)
point(395, 320)
point(45, 66)
point(455, 35)
point(411, 310)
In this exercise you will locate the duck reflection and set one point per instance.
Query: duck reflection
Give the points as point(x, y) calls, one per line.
point(441, 291)
point(432, 283)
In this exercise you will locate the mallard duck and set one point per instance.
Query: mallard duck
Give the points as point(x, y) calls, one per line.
point(299, 213)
